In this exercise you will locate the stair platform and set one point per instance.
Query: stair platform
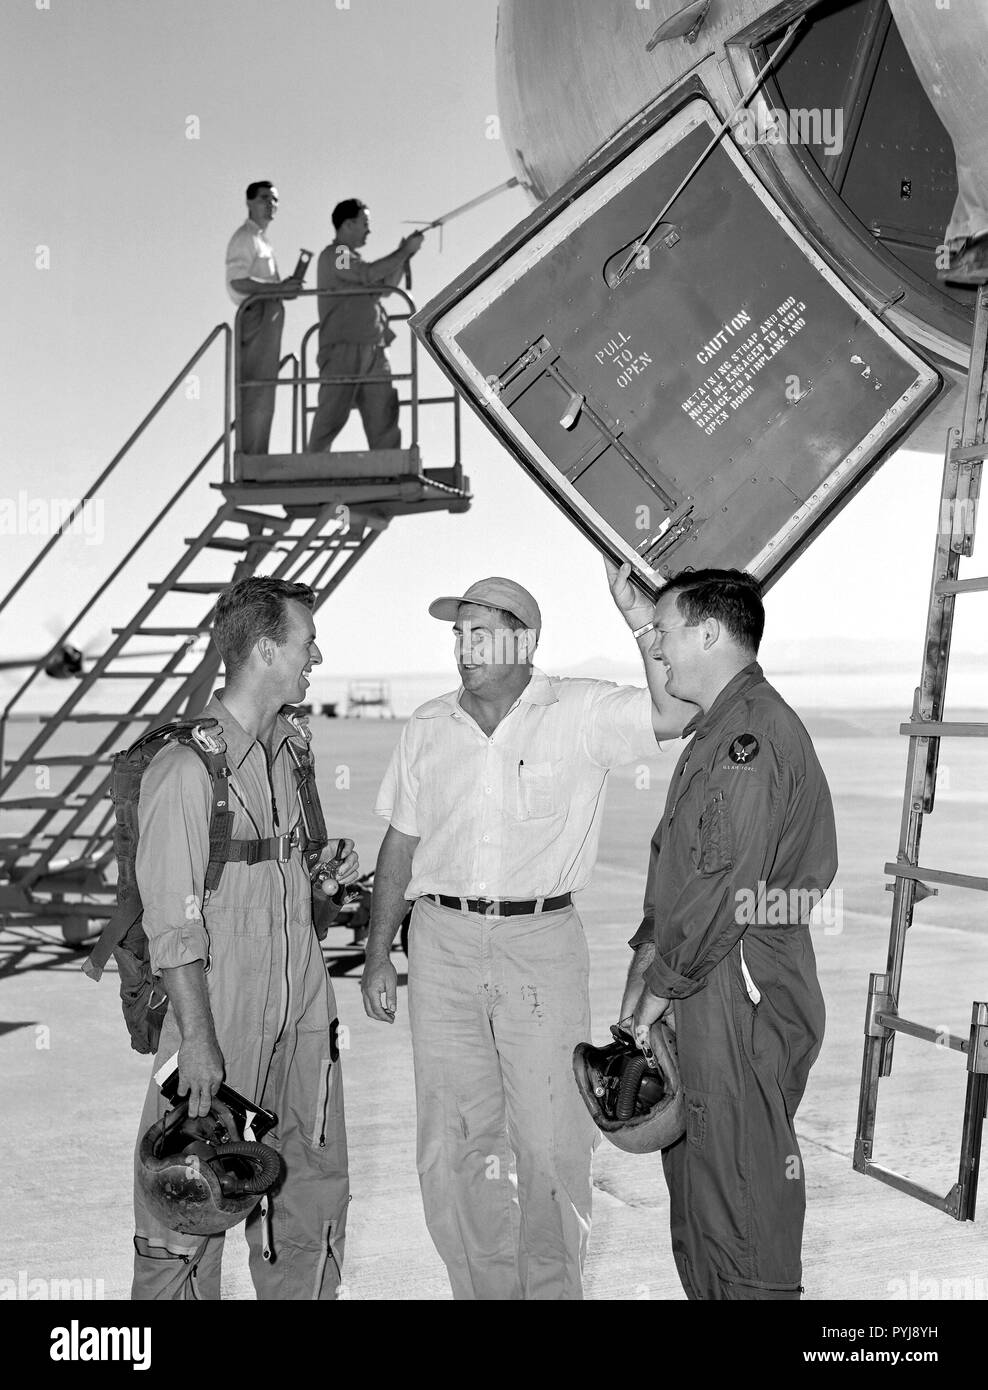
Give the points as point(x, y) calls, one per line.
point(376, 494)
point(296, 468)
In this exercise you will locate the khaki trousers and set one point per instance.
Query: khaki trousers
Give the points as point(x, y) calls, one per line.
point(504, 1140)
point(307, 1208)
point(377, 401)
point(260, 353)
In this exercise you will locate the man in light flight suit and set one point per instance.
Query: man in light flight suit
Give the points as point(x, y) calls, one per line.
point(249, 998)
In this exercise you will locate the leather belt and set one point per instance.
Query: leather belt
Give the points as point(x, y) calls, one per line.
point(491, 907)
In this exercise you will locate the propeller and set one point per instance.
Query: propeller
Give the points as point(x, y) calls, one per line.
point(67, 662)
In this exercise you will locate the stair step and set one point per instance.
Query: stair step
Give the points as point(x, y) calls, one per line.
point(67, 760)
point(969, 453)
point(40, 803)
point(76, 881)
point(962, 586)
point(114, 718)
point(164, 631)
point(328, 468)
point(922, 729)
point(251, 518)
point(143, 675)
point(211, 587)
point(231, 543)
point(921, 875)
point(25, 844)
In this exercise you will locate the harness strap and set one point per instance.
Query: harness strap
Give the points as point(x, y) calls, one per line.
point(111, 936)
point(223, 848)
point(220, 819)
point(313, 821)
point(278, 847)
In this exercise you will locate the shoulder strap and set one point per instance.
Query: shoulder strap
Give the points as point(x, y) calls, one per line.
point(204, 736)
point(111, 936)
point(223, 848)
point(198, 735)
point(313, 821)
point(220, 818)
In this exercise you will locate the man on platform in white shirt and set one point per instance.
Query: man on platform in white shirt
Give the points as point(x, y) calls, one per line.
point(252, 270)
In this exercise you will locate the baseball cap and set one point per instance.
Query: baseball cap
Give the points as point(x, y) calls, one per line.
point(491, 593)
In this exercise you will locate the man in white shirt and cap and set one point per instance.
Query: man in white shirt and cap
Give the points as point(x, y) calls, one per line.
point(495, 797)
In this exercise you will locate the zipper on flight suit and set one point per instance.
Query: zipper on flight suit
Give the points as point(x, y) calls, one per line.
point(325, 1103)
point(680, 788)
point(284, 917)
point(284, 913)
point(328, 1253)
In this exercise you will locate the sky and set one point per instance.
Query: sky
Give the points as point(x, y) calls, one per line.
point(132, 128)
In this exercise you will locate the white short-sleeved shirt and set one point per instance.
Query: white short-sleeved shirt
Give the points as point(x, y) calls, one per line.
point(516, 814)
point(249, 256)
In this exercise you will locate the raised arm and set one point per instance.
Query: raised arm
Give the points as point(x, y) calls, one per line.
point(669, 716)
point(384, 271)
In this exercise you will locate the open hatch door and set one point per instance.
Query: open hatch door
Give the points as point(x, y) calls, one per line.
point(714, 404)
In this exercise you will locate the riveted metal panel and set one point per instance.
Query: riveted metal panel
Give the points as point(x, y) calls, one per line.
point(709, 407)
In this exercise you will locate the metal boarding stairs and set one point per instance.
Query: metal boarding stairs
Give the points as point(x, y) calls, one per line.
point(965, 452)
point(301, 517)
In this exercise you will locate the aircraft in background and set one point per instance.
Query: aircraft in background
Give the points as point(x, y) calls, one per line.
point(66, 662)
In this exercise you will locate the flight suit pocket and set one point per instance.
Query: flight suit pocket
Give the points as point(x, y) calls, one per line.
point(752, 1290)
point(324, 1118)
point(696, 1122)
point(536, 791)
point(318, 1131)
point(716, 836)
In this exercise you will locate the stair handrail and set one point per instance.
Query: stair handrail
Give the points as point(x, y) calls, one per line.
point(79, 689)
point(221, 330)
point(177, 697)
point(300, 379)
point(115, 647)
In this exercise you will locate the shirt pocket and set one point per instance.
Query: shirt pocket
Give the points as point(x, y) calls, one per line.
point(537, 791)
point(716, 836)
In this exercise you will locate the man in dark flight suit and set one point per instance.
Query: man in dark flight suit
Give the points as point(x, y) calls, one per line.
point(745, 850)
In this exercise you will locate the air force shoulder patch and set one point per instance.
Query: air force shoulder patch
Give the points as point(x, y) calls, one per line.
point(744, 749)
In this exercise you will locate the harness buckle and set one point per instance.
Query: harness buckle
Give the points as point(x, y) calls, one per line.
point(300, 722)
point(208, 741)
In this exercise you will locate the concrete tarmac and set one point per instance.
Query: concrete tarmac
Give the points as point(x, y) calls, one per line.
point(73, 1089)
